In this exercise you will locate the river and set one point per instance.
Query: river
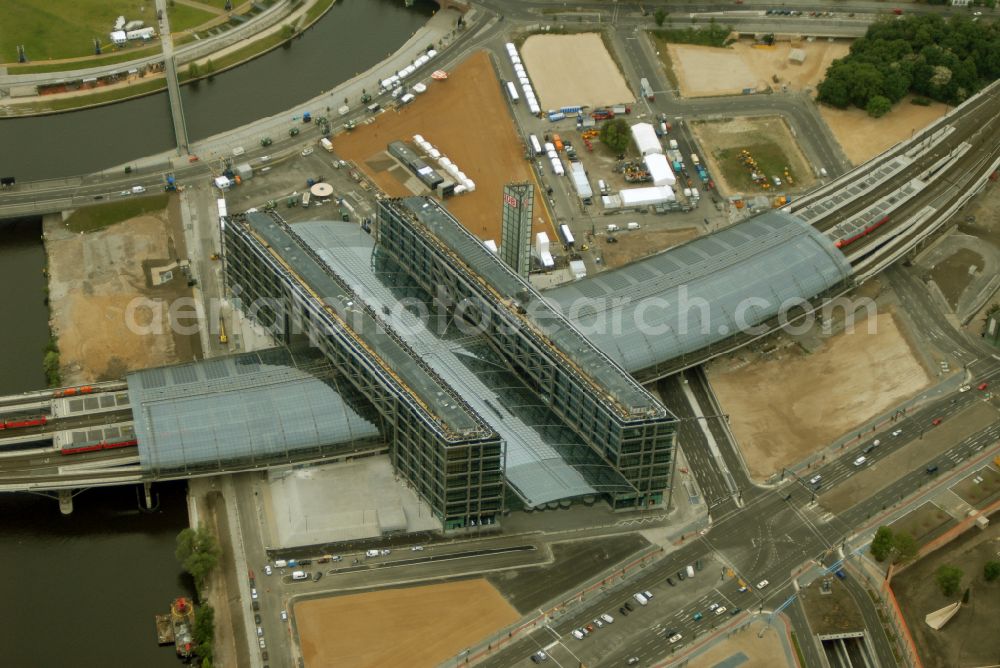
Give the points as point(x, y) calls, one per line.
point(83, 590)
point(352, 37)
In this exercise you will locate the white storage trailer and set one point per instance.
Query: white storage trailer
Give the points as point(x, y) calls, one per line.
point(512, 92)
point(535, 145)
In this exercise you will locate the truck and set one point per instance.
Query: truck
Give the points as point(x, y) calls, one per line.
point(694, 158)
point(556, 116)
point(646, 89)
point(327, 144)
point(602, 114)
point(557, 142)
point(621, 109)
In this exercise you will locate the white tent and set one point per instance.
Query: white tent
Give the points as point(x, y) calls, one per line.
point(645, 139)
point(659, 169)
point(645, 196)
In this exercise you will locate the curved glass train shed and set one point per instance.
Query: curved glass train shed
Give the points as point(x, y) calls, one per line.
point(253, 409)
point(684, 302)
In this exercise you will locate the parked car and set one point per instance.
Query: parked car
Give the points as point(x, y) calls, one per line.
point(671, 582)
point(253, 593)
point(675, 638)
point(713, 606)
point(539, 657)
point(762, 584)
point(284, 615)
point(815, 479)
point(623, 611)
point(578, 634)
point(936, 421)
point(720, 610)
point(860, 460)
point(608, 619)
point(697, 616)
point(268, 570)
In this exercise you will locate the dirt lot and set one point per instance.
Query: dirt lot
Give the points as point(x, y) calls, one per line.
point(952, 275)
point(553, 63)
point(863, 137)
point(925, 523)
point(768, 140)
point(747, 649)
point(916, 453)
point(407, 626)
point(573, 563)
point(467, 119)
point(970, 638)
point(704, 70)
point(835, 612)
point(862, 375)
point(981, 488)
point(634, 245)
point(93, 279)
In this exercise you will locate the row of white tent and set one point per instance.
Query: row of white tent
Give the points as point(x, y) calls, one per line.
point(553, 156)
point(463, 182)
point(395, 79)
point(522, 78)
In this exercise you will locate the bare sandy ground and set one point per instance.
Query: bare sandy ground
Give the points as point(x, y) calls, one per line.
point(811, 400)
point(411, 626)
point(704, 70)
point(747, 649)
point(863, 137)
point(93, 278)
point(466, 118)
point(555, 65)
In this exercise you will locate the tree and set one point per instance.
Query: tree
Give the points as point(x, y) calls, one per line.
point(193, 71)
point(204, 632)
point(878, 106)
point(991, 571)
point(882, 543)
point(660, 16)
point(287, 31)
point(209, 68)
point(905, 546)
point(198, 552)
point(949, 578)
point(615, 134)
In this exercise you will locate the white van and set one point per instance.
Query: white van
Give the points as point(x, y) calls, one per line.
point(137, 190)
point(640, 598)
point(280, 563)
point(371, 553)
point(690, 571)
point(299, 575)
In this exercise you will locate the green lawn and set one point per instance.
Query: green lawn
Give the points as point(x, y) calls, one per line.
point(63, 28)
point(248, 51)
point(92, 218)
point(770, 157)
point(316, 11)
point(184, 17)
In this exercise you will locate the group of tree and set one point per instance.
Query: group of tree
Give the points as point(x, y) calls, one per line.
point(199, 553)
point(949, 577)
point(947, 60)
point(616, 135)
point(900, 546)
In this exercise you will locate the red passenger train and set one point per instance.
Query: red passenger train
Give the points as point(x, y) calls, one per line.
point(841, 243)
point(100, 445)
point(17, 423)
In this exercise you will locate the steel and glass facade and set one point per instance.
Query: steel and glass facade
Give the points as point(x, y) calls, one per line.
point(618, 419)
point(450, 456)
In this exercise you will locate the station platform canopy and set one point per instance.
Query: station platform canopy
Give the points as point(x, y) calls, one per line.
point(266, 407)
point(688, 298)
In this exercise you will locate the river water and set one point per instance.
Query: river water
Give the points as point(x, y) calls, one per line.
point(353, 36)
point(83, 590)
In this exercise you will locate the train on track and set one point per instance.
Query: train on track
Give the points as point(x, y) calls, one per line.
point(99, 445)
point(20, 422)
point(843, 243)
